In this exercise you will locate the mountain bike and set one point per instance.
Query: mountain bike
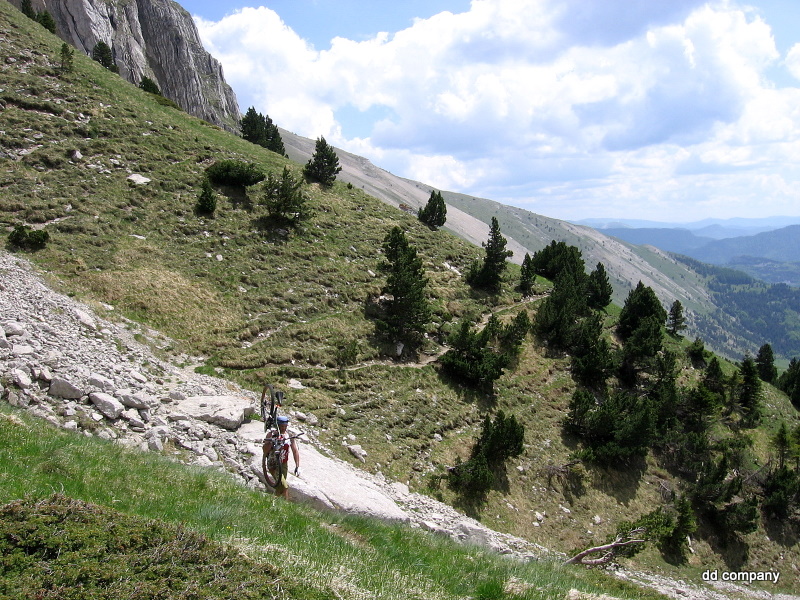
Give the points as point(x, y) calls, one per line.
point(269, 414)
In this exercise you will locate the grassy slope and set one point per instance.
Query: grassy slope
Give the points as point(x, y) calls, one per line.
point(280, 549)
point(277, 305)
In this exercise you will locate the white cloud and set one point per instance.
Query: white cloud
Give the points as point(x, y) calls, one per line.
point(793, 61)
point(592, 104)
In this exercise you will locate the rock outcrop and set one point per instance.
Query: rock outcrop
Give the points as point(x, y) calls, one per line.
point(153, 38)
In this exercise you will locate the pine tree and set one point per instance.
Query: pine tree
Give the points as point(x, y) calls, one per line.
point(782, 442)
point(765, 361)
point(67, 56)
point(488, 275)
point(207, 200)
point(284, 198)
point(676, 322)
point(408, 312)
point(750, 391)
point(102, 53)
point(27, 9)
point(324, 164)
point(556, 320)
point(592, 360)
point(471, 359)
point(789, 382)
point(259, 129)
point(527, 276)
point(46, 20)
point(557, 258)
point(696, 352)
point(149, 86)
point(598, 288)
point(641, 303)
point(253, 126)
point(434, 213)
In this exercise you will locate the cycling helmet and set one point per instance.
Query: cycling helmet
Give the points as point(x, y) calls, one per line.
point(283, 419)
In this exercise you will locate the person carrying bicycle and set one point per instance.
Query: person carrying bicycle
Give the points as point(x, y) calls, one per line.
point(276, 455)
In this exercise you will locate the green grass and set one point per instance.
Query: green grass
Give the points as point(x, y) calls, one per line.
point(122, 524)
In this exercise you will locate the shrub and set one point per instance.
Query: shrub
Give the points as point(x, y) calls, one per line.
point(207, 200)
point(24, 238)
point(284, 198)
point(500, 439)
point(149, 86)
point(234, 173)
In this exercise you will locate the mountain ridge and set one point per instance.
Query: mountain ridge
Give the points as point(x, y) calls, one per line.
point(150, 38)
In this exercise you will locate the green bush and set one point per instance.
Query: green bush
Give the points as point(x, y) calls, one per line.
point(25, 238)
point(235, 173)
point(207, 200)
point(149, 86)
point(500, 439)
point(284, 198)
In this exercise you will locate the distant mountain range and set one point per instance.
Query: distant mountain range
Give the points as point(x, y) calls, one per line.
point(772, 254)
point(707, 228)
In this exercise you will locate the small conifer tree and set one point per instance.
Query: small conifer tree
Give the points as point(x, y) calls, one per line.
point(67, 58)
point(488, 275)
point(207, 200)
point(102, 53)
point(323, 166)
point(598, 288)
point(149, 86)
point(259, 129)
point(408, 311)
point(46, 20)
point(676, 322)
point(284, 198)
point(527, 276)
point(27, 9)
point(434, 213)
point(765, 361)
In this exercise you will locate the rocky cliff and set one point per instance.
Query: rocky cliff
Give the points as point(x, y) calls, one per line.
point(153, 38)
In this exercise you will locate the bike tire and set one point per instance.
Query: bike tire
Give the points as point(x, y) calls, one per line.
point(271, 481)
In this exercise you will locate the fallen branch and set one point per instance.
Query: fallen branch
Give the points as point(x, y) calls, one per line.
point(610, 549)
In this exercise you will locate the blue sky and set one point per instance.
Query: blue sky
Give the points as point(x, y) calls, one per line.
point(672, 110)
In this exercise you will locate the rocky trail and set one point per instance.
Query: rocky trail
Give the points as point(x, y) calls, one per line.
point(77, 371)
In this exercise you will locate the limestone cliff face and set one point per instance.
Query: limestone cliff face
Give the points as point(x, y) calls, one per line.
point(153, 38)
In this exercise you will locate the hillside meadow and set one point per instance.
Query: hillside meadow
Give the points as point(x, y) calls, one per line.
point(247, 300)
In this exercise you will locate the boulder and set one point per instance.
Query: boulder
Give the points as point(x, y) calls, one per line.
point(109, 407)
point(228, 412)
point(61, 388)
point(22, 379)
point(85, 319)
point(11, 328)
point(358, 452)
point(139, 400)
point(101, 382)
point(332, 484)
point(138, 179)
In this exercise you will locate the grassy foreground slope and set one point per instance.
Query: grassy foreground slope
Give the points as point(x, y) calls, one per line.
point(116, 530)
point(258, 302)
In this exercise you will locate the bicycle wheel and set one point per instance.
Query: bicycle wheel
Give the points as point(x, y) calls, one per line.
point(273, 465)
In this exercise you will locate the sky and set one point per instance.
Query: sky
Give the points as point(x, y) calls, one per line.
point(667, 110)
